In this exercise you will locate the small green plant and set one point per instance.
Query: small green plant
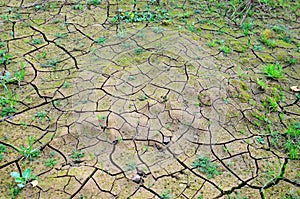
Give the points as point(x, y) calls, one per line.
point(61, 35)
point(3, 150)
point(5, 57)
point(131, 166)
point(94, 2)
point(101, 40)
point(6, 79)
point(292, 61)
point(23, 179)
point(57, 103)
point(211, 43)
point(77, 155)
point(261, 83)
point(14, 191)
point(51, 162)
point(78, 6)
point(226, 100)
point(225, 49)
point(36, 41)
point(143, 98)
point(40, 115)
point(271, 103)
point(291, 195)
point(81, 196)
point(29, 152)
point(292, 144)
point(226, 149)
point(50, 63)
point(257, 47)
point(140, 16)
point(39, 7)
point(20, 74)
point(294, 130)
point(205, 166)
point(260, 140)
point(279, 29)
point(273, 71)
point(66, 84)
point(138, 51)
point(268, 42)
point(7, 111)
point(158, 30)
point(101, 117)
point(247, 27)
point(165, 195)
point(2, 44)
point(275, 138)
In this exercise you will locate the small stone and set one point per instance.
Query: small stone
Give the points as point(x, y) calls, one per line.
point(137, 179)
point(166, 140)
point(141, 173)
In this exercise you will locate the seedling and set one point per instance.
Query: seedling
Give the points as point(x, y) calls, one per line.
point(143, 98)
point(101, 40)
point(61, 35)
point(36, 41)
point(131, 166)
point(138, 51)
point(260, 140)
point(273, 71)
point(257, 47)
point(29, 152)
point(5, 57)
point(292, 61)
point(271, 103)
point(51, 162)
point(7, 111)
point(158, 30)
point(14, 191)
point(101, 117)
point(268, 42)
point(3, 150)
point(275, 137)
point(78, 6)
point(225, 49)
point(292, 144)
point(226, 100)
point(57, 103)
point(211, 43)
point(165, 195)
point(23, 179)
point(66, 84)
point(2, 44)
point(50, 63)
point(94, 2)
point(19, 75)
point(205, 166)
point(261, 83)
point(247, 28)
point(77, 155)
point(40, 115)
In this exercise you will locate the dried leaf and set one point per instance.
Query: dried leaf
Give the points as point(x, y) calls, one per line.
point(34, 183)
point(295, 89)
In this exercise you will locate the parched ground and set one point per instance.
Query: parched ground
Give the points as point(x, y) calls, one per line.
point(149, 99)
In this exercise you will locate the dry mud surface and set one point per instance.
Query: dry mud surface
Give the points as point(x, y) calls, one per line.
point(117, 106)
